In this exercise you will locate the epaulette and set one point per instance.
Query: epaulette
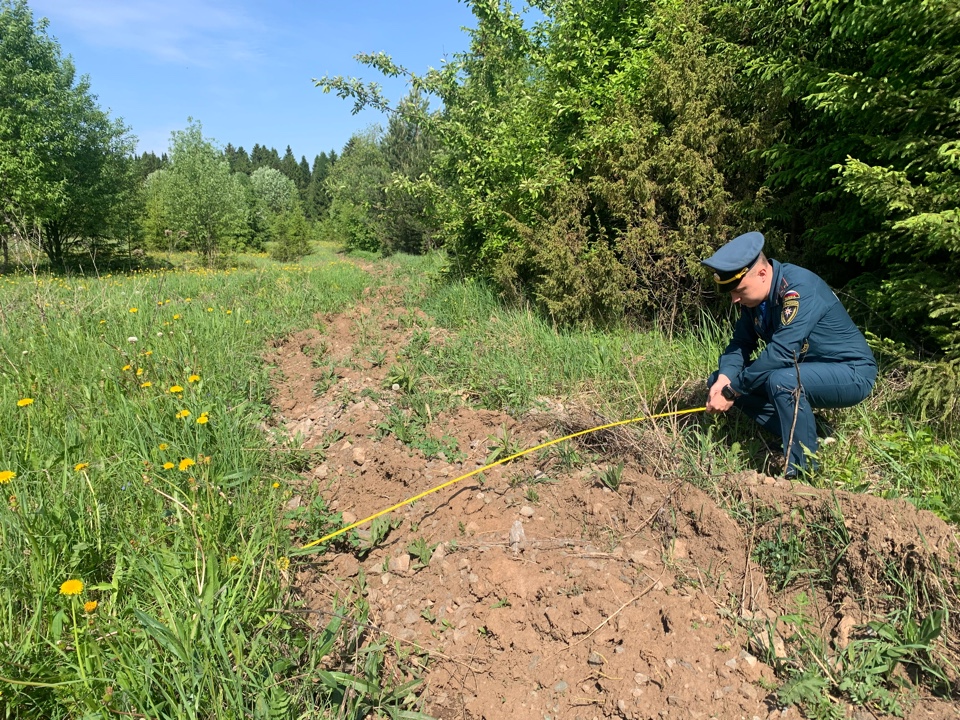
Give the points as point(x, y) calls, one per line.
point(781, 291)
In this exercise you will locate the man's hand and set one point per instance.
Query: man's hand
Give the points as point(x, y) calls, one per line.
point(716, 402)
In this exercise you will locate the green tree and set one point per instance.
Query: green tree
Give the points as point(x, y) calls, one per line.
point(274, 191)
point(303, 178)
point(271, 194)
point(262, 156)
point(278, 214)
point(488, 183)
point(407, 216)
point(290, 232)
point(869, 164)
point(289, 166)
point(148, 163)
point(590, 160)
point(317, 199)
point(197, 200)
point(240, 162)
point(356, 189)
point(66, 168)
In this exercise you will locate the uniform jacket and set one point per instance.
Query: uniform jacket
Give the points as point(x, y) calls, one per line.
point(802, 318)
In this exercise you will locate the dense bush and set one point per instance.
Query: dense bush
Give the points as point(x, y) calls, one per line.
point(590, 159)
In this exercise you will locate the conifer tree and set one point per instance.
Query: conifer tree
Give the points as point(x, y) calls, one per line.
point(318, 199)
point(262, 156)
point(230, 154)
point(241, 162)
point(289, 165)
point(148, 163)
point(303, 177)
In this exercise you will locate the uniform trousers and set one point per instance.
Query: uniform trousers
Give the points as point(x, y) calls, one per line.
point(822, 385)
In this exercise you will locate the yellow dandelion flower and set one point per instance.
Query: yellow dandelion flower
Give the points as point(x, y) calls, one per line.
point(6, 476)
point(233, 560)
point(203, 419)
point(193, 379)
point(163, 446)
point(176, 317)
point(139, 371)
point(146, 384)
point(23, 402)
point(276, 485)
point(133, 310)
point(176, 389)
point(168, 466)
point(159, 302)
point(209, 309)
point(183, 414)
point(185, 463)
point(148, 353)
point(80, 466)
point(103, 322)
point(90, 606)
point(229, 312)
point(125, 368)
point(188, 300)
point(71, 587)
point(283, 563)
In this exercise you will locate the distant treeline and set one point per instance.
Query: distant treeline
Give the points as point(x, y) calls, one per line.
point(72, 190)
point(307, 177)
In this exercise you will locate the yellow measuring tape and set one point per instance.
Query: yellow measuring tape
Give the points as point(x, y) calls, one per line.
point(494, 464)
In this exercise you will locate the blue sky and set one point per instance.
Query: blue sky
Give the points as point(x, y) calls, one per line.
point(244, 68)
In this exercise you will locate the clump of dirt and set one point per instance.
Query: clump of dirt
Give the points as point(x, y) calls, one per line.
point(535, 590)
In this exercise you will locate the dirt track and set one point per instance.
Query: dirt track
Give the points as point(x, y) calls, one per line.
point(628, 604)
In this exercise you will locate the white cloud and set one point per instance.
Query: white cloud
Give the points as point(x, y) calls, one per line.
point(200, 33)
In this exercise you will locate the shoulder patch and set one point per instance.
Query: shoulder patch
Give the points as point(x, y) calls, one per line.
point(790, 309)
point(791, 295)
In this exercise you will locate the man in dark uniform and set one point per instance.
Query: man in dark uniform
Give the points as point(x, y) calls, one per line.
point(808, 334)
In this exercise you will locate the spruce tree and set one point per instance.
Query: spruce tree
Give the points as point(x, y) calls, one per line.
point(241, 162)
point(317, 197)
point(148, 163)
point(260, 157)
point(289, 165)
point(303, 177)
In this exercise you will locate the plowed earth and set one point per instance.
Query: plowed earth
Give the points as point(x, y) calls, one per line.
point(586, 603)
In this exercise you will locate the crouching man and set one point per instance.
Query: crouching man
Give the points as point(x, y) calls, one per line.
point(815, 357)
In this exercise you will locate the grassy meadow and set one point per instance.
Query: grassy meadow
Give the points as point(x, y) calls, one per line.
point(142, 540)
point(139, 529)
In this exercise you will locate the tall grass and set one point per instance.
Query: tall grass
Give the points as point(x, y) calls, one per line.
point(141, 545)
point(509, 358)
